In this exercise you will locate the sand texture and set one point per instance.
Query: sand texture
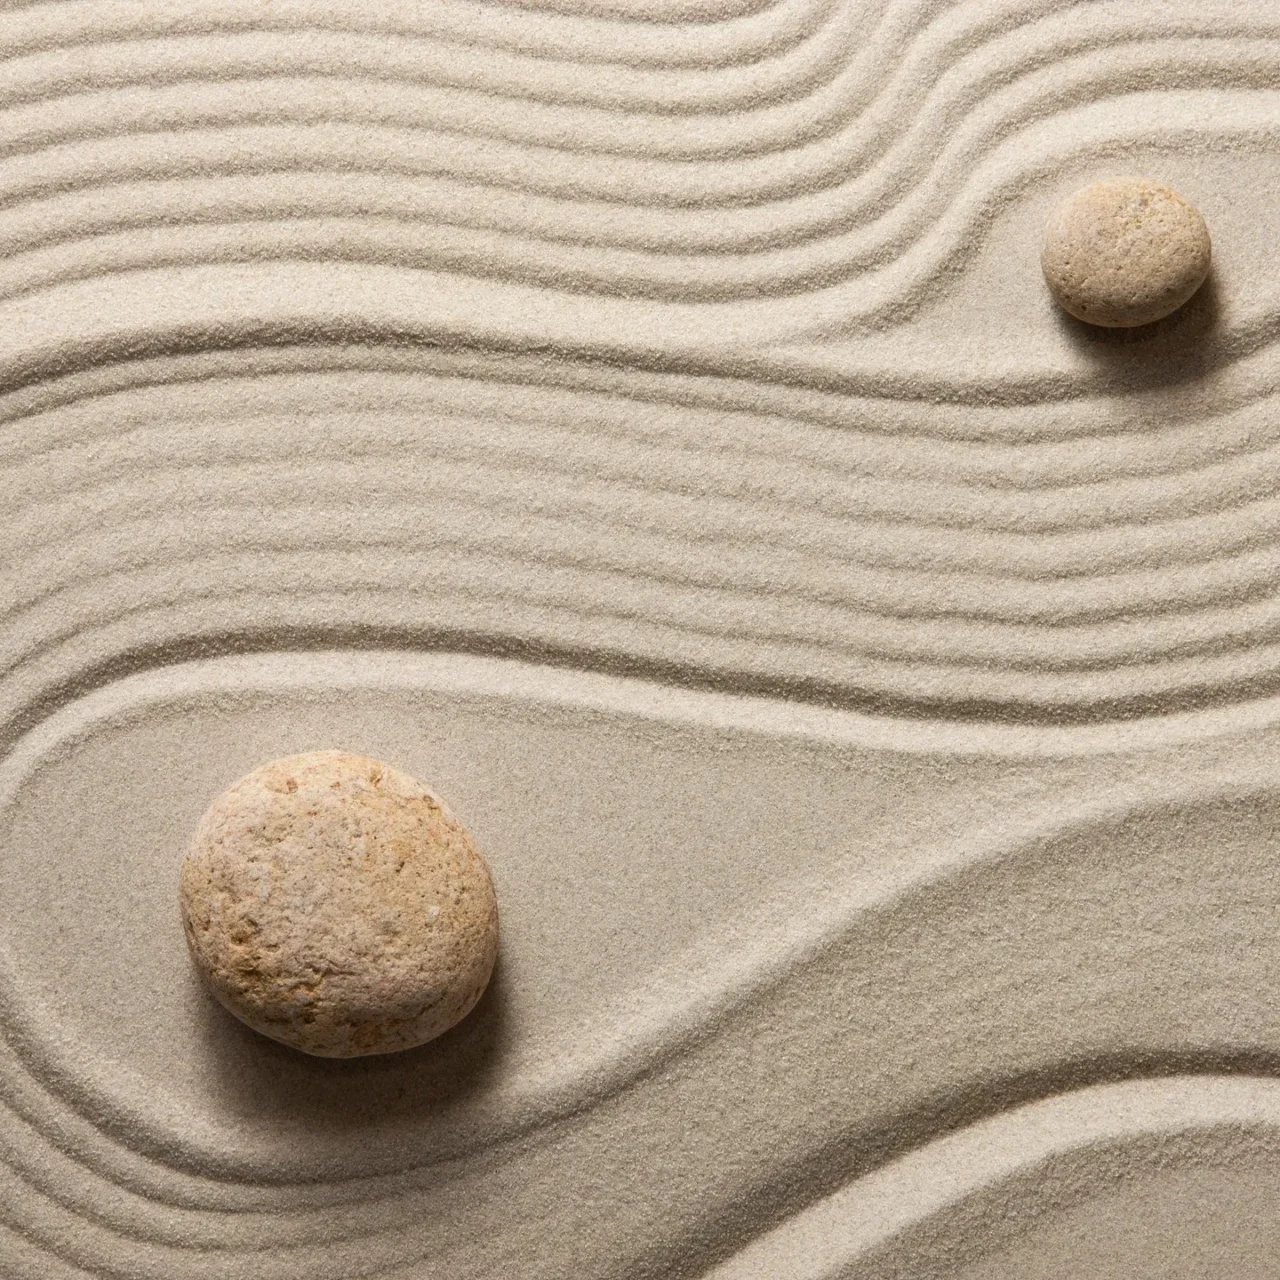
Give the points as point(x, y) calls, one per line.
point(646, 422)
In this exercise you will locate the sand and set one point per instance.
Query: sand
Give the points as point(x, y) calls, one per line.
point(647, 422)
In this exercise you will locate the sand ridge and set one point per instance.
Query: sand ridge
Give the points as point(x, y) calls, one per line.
point(878, 565)
point(927, 922)
point(647, 423)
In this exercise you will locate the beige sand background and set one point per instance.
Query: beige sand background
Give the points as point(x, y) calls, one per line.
point(645, 423)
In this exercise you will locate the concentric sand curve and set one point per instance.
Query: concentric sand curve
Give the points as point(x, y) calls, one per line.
point(965, 901)
point(1046, 1156)
point(751, 35)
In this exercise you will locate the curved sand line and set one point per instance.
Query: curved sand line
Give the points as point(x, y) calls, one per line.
point(481, 678)
point(952, 64)
point(576, 248)
point(220, 50)
point(421, 509)
point(244, 300)
point(1056, 1151)
point(721, 1008)
point(1000, 143)
point(751, 35)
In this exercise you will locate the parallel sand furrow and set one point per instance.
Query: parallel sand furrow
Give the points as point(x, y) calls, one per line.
point(836, 45)
point(449, 64)
point(678, 479)
point(718, 549)
point(453, 395)
point(723, 552)
point(109, 541)
point(857, 277)
point(948, 67)
point(897, 209)
point(461, 380)
point(869, 213)
point(726, 40)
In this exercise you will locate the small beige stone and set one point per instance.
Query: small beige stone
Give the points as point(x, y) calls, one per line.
point(334, 904)
point(1125, 252)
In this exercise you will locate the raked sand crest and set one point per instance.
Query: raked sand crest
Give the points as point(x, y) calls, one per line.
point(301, 498)
point(646, 424)
point(1027, 914)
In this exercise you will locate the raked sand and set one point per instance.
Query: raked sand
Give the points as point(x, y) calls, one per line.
point(646, 423)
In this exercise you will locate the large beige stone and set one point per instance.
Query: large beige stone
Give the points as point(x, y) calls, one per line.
point(1125, 252)
point(334, 904)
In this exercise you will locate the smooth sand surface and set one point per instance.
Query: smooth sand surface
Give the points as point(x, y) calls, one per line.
point(647, 424)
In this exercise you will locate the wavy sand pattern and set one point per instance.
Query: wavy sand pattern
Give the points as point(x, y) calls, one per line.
point(646, 422)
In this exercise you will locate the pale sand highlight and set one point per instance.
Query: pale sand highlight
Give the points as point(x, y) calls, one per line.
point(648, 423)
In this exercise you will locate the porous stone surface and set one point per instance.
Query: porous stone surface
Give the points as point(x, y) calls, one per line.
point(334, 904)
point(1125, 252)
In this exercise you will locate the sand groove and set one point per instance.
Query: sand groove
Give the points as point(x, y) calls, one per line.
point(186, 148)
point(643, 419)
point(730, 545)
point(966, 903)
point(1226, 1127)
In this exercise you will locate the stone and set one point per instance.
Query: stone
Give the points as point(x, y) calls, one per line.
point(334, 904)
point(1125, 252)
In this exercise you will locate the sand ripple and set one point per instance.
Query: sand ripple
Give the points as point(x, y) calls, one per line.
point(858, 993)
point(874, 983)
point(646, 421)
point(1193, 1141)
point(854, 159)
point(641, 523)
